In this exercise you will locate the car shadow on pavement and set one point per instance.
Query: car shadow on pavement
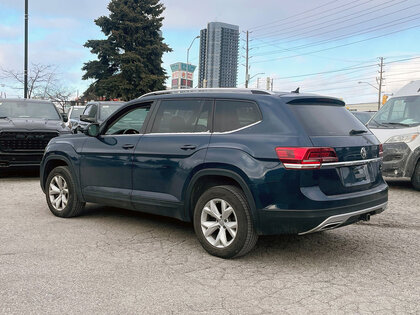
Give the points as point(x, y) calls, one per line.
point(19, 173)
point(318, 247)
point(399, 183)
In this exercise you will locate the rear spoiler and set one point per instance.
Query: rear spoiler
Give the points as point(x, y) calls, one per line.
point(316, 101)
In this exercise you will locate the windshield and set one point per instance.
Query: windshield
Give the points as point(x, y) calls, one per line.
point(107, 110)
point(24, 109)
point(398, 112)
point(76, 112)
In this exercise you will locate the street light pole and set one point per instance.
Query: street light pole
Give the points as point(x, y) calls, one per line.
point(360, 82)
point(25, 71)
point(188, 55)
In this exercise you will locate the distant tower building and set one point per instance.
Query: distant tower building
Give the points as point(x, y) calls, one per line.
point(219, 49)
point(181, 77)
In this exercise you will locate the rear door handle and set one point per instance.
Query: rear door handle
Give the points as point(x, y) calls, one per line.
point(128, 146)
point(188, 147)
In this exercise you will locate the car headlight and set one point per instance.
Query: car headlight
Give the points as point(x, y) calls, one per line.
point(403, 138)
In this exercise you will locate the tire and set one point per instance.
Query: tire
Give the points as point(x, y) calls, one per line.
point(415, 179)
point(209, 230)
point(60, 183)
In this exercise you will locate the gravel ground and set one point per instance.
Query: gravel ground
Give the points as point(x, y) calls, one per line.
point(116, 261)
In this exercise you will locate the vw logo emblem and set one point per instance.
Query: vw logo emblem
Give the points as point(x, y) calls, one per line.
point(363, 153)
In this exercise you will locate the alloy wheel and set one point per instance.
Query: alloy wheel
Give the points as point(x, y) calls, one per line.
point(58, 192)
point(219, 223)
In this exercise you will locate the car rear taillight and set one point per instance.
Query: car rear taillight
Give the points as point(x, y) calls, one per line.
point(381, 150)
point(305, 158)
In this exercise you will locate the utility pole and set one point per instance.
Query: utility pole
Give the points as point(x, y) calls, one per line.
point(380, 79)
point(247, 60)
point(25, 71)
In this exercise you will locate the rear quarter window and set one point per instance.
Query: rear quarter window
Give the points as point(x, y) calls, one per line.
point(232, 115)
point(326, 120)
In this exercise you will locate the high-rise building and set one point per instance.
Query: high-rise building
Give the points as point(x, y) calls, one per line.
point(219, 49)
point(182, 78)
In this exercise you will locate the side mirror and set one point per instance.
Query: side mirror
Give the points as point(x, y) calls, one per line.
point(88, 119)
point(92, 130)
point(64, 117)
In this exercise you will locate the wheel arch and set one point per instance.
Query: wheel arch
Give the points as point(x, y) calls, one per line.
point(209, 177)
point(54, 161)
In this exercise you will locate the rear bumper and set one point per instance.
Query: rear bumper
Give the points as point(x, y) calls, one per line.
point(327, 213)
point(12, 160)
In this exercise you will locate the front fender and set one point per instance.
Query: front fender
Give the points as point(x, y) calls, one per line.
point(66, 153)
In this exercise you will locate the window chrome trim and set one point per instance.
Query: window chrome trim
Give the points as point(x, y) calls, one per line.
point(350, 163)
point(235, 130)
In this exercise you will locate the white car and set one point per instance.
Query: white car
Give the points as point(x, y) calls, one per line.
point(74, 115)
point(397, 126)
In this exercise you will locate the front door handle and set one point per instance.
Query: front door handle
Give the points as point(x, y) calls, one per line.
point(188, 147)
point(128, 146)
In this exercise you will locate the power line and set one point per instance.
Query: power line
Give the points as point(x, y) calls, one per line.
point(295, 15)
point(338, 46)
point(344, 69)
point(299, 27)
point(344, 36)
point(283, 40)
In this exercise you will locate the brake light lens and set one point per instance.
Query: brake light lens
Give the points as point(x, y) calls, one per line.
point(305, 158)
point(381, 150)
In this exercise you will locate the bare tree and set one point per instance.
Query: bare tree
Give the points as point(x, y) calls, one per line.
point(59, 96)
point(41, 79)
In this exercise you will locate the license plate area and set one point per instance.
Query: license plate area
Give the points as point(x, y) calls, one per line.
point(355, 175)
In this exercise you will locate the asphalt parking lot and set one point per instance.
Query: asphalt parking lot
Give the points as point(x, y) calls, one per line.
point(116, 261)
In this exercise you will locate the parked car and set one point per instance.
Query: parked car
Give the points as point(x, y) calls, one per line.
point(74, 116)
point(364, 117)
point(397, 125)
point(26, 127)
point(96, 112)
point(238, 163)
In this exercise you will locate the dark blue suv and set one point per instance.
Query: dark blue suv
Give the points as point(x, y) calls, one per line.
point(238, 163)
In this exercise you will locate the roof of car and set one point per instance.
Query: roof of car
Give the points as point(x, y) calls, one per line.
point(235, 93)
point(105, 102)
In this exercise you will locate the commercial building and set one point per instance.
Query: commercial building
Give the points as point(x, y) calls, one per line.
point(219, 49)
point(181, 77)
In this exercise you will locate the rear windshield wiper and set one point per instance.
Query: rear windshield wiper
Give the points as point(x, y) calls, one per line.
point(356, 132)
point(4, 117)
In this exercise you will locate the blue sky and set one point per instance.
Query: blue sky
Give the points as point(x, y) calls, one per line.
point(289, 40)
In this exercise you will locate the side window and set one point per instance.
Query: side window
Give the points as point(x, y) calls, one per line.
point(231, 115)
point(130, 122)
point(87, 110)
point(178, 116)
point(93, 111)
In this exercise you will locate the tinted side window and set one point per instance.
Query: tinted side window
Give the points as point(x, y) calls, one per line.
point(231, 115)
point(178, 116)
point(91, 111)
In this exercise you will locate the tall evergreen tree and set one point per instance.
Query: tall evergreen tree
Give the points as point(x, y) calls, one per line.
point(130, 58)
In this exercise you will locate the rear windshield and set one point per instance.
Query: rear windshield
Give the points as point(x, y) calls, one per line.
point(326, 120)
point(23, 109)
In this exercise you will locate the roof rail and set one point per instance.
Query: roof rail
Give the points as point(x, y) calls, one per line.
point(209, 90)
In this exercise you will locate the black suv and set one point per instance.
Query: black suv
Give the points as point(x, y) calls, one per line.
point(26, 127)
point(238, 163)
